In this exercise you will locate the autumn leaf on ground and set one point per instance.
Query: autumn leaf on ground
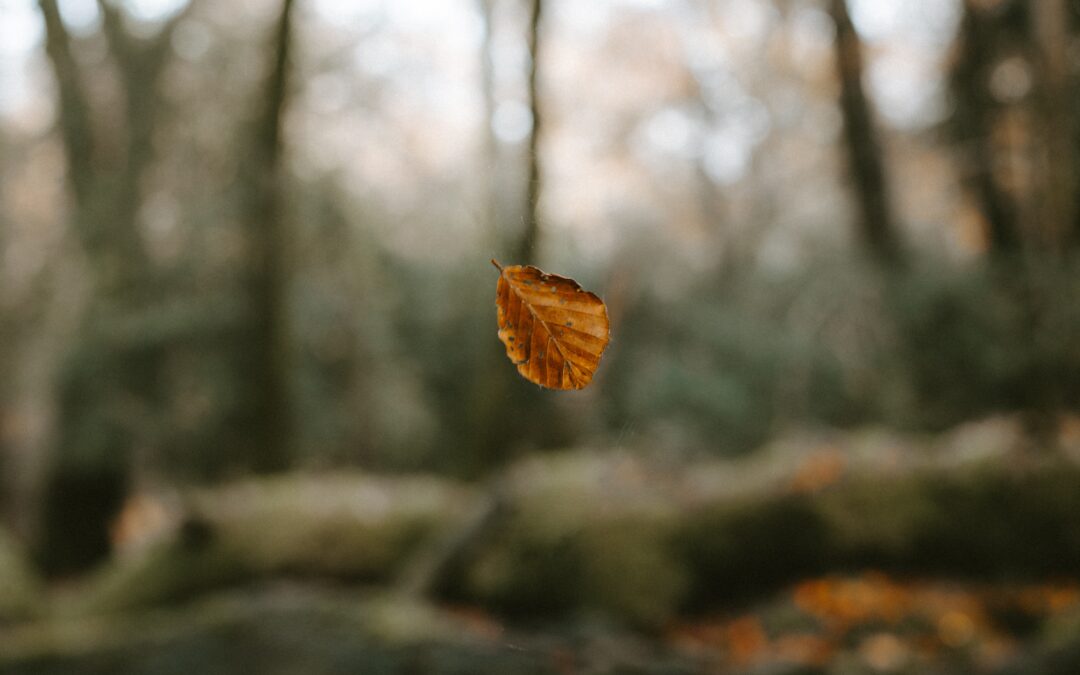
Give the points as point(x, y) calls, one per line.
point(554, 332)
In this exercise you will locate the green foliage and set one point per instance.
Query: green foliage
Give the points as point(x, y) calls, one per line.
point(963, 340)
point(727, 362)
point(987, 338)
point(398, 368)
point(730, 360)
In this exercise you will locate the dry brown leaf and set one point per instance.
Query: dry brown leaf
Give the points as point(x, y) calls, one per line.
point(554, 332)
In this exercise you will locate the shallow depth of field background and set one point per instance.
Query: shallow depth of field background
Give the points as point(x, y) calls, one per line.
point(253, 409)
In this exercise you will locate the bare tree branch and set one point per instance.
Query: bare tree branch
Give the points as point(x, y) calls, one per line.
point(269, 131)
point(127, 47)
point(140, 62)
point(121, 45)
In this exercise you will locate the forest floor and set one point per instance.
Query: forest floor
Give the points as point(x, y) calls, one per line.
point(838, 553)
point(867, 623)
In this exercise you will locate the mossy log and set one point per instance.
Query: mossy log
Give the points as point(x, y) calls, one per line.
point(616, 537)
point(575, 535)
point(613, 534)
point(346, 527)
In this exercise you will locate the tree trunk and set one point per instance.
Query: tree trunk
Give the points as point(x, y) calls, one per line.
point(1058, 183)
point(263, 348)
point(487, 394)
point(876, 222)
point(526, 249)
point(75, 128)
point(108, 383)
point(507, 414)
point(490, 151)
point(973, 126)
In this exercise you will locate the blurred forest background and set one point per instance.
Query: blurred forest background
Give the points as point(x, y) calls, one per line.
point(246, 312)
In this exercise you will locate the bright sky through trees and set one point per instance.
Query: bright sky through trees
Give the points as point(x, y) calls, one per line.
point(879, 20)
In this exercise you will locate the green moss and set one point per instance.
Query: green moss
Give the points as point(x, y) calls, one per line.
point(342, 526)
point(589, 532)
point(20, 589)
point(977, 521)
point(874, 521)
point(630, 570)
point(527, 569)
point(738, 548)
point(1001, 523)
point(972, 521)
point(583, 534)
point(168, 572)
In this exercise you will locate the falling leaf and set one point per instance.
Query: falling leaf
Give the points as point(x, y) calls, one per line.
point(554, 331)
